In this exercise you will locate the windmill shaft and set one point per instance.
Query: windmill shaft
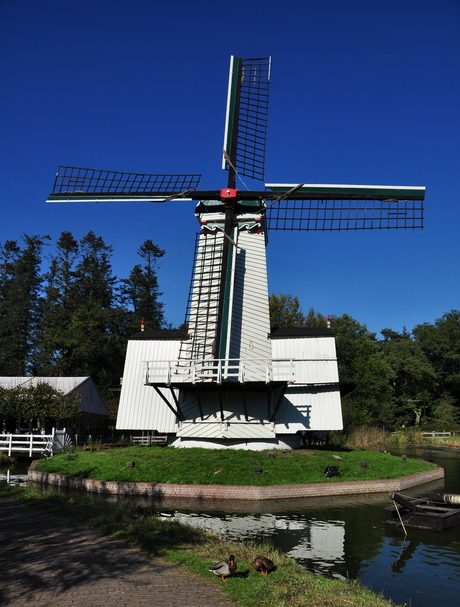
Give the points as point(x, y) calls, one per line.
point(221, 340)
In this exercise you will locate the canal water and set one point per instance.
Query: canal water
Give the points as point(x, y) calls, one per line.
point(345, 537)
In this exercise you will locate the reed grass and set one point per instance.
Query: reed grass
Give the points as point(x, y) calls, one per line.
point(412, 436)
point(365, 437)
point(448, 441)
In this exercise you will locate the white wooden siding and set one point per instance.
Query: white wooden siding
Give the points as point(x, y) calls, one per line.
point(303, 409)
point(140, 406)
point(250, 318)
point(313, 359)
point(312, 347)
point(234, 425)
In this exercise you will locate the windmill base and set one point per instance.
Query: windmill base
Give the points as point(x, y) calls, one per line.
point(302, 395)
point(285, 441)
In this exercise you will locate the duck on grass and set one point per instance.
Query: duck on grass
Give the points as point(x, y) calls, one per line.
point(224, 568)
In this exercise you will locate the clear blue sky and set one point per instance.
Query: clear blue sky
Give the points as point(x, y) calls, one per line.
point(362, 92)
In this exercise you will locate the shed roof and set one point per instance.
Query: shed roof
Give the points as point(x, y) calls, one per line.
point(160, 334)
point(290, 332)
point(275, 333)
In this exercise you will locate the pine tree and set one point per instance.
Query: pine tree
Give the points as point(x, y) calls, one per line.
point(20, 305)
point(58, 306)
point(9, 253)
point(85, 324)
point(141, 290)
point(97, 323)
point(285, 311)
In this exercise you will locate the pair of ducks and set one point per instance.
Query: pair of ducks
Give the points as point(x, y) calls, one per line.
point(226, 568)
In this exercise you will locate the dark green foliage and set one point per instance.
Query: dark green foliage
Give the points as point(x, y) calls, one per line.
point(315, 319)
point(440, 343)
point(413, 378)
point(84, 324)
point(363, 368)
point(76, 317)
point(60, 301)
point(38, 402)
point(285, 311)
point(446, 415)
point(20, 303)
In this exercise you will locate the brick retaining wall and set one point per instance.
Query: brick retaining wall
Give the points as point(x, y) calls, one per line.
point(236, 492)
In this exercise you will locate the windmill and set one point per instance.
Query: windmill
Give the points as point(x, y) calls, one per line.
point(229, 379)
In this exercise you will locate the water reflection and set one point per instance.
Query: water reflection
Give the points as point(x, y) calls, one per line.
point(419, 573)
point(15, 474)
point(16, 480)
point(346, 539)
point(321, 547)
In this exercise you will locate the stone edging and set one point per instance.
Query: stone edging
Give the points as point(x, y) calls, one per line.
point(235, 492)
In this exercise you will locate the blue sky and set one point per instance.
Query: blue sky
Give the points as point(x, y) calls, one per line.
point(362, 92)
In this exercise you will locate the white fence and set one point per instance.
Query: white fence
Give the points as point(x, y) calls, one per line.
point(150, 440)
point(33, 444)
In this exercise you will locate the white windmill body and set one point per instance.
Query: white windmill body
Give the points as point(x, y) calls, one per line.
point(266, 387)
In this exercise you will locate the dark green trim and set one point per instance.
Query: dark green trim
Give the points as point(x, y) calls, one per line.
point(235, 67)
point(354, 190)
point(224, 328)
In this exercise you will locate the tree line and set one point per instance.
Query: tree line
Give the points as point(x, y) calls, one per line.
point(74, 317)
point(402, 379)
point(66, 314)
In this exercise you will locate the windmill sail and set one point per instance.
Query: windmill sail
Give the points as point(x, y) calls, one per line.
point(346, 207)
point(77, 184)
point(246, 118)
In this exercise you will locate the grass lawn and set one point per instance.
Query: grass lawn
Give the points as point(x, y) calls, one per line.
point(228, 466)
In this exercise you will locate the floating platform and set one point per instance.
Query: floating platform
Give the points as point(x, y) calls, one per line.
point(436, 512)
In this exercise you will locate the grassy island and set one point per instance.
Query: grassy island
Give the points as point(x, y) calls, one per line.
point(229, 467)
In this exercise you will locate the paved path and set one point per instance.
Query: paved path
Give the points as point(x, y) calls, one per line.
point(49, 561)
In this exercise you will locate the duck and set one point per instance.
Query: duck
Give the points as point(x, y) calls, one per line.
point(263, 564)
point(224, 568)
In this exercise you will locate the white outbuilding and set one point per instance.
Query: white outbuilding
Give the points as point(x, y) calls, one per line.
point(94, 416)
